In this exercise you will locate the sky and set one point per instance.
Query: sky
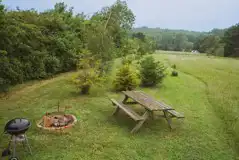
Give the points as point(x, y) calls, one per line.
point(196, 15)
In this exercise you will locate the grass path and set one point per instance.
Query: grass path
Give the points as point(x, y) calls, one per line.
point(98, 135)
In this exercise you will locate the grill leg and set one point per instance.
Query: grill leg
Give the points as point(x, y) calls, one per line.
point(24, 146)
point(28, 145)
point(14, 146)
point(10, 142)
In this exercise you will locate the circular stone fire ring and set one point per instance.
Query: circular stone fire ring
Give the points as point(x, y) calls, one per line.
point(56, 121)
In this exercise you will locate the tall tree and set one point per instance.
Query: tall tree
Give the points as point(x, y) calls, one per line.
point(180, 42)
point(231, 40)
point(139, 35)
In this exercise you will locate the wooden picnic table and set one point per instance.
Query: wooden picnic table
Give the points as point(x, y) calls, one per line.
point(150, 105)
point(146, 101)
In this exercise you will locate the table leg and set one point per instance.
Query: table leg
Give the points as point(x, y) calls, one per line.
point(152, 115)
point(116, 111)
point(125, 99)
point(140, 123)
point(168, 118)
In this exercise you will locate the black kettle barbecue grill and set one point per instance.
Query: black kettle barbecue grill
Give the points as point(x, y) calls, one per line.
point(16, 128)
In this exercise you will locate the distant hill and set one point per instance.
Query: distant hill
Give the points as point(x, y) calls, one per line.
point(157, 31)
point(178, 40)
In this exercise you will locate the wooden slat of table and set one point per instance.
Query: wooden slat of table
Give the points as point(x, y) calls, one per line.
point(147, 101)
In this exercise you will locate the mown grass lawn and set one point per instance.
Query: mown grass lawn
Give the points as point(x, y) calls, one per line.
point(98, 135)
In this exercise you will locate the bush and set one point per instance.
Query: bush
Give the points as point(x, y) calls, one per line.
point(127, 60)
point(174, 66)
point(174, 73)
point(151, 72)
point(88, 75)
point(126, 79)
point(52, 65)
point(137, 57)
point(4, 85)
point(85, 79)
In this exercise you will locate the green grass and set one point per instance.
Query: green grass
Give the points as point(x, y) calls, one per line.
point(200, 92)
point(221, 79)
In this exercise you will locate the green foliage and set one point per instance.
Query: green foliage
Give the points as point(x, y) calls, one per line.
point(128, 59)
point(182, 40)
point(174, 66)
point(174, 73)
point(145, 44)
point(37, 45)
point(87, 75)
point(231, 40)
point(4, 85)
point(139, 35)
point(85, 79)
point(166, 39)
point(218, 42)
point(126, 79)
point(211, 45)
point(52, 65)
point(130, 47)
point(151, 71)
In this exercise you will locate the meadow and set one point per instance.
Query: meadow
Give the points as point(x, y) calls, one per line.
point(206, 91)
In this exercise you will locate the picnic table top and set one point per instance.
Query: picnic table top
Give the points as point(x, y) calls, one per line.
point(147, 101)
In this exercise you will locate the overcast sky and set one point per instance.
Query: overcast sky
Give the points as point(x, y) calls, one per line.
point(198, 15)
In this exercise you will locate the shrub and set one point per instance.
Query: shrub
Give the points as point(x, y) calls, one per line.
point(4, 85)
point(85, 79)
point(137, 57)
point(174, 66)
point(151, 72)
point(127, 60)
point(52, 65)
point(126, 79)
point(88, 75)
point(174, 73)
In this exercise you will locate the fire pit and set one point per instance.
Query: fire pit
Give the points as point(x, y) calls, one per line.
point(57, 121)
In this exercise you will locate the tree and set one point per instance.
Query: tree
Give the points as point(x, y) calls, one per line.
point(88, 74)
point(37, 45)
point(139, 35)
point(231, 40)
point(218, 32)
point(151, 71)
point(2, 13)
point(210, 44)
point(180, 42)
point(126, 79)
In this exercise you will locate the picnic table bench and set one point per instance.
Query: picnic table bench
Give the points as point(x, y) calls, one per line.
point(150, 105)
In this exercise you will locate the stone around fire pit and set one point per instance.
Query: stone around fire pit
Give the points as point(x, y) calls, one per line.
point(57, 121)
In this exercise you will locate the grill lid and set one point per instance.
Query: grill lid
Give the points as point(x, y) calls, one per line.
point(17, 125)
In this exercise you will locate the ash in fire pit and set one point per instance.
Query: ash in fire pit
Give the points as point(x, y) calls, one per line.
point(57, 120)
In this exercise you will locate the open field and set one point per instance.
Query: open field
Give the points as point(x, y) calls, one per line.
point(206, 91)
point(220, 77)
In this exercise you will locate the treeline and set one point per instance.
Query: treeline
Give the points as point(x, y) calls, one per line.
point(218, 42)
point(37, 45)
